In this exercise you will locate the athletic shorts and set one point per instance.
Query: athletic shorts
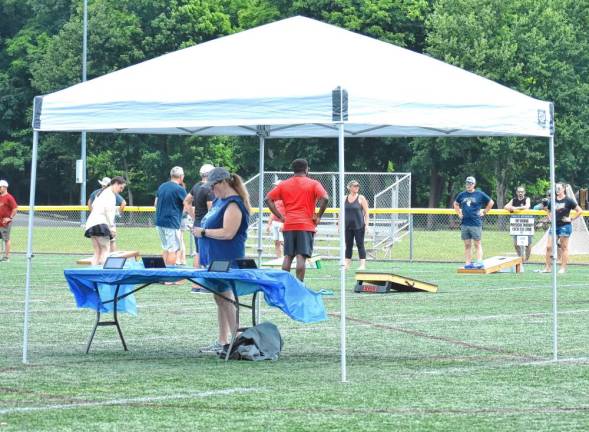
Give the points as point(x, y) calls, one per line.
point(471, 232)
point(298, 243)
point(5, 233)
point(276, 231)
point(563, 230)
point(101, 230)
point(169, 238)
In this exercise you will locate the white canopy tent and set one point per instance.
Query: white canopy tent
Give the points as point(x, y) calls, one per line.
point(293, 78)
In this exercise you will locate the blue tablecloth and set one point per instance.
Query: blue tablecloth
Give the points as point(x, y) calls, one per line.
point(280, 288)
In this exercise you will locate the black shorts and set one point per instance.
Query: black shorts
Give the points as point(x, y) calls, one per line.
point(99, 231)
point(298, 243)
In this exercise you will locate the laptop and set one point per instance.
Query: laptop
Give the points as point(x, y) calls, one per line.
point(219, 266)
point(153, 262)
point(114, 263)
point(246, 263)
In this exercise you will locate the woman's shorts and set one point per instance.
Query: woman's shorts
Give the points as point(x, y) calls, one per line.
point(276, 231)
point(563, 230)
point(101, 230)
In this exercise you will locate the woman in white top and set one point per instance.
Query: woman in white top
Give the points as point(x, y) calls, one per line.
point(100, 226)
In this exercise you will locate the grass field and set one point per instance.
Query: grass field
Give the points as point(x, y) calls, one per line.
point(443, 245)
point(474, 356)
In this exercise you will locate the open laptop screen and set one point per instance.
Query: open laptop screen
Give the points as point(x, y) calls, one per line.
point(114, 263)
point(219, 266)
point(153, 262)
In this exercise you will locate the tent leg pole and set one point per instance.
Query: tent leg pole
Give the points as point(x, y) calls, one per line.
point(554, 251)
point(25, 345)
point(260, 213)
point(342, 221)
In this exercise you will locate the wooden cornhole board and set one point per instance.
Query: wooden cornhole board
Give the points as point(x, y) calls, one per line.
point(122, 254)
point(383, 282)
point(495, 264)
point(312, 263)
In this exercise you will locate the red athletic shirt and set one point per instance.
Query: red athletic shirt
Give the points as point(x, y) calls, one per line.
point(7, 205)
point(299, 195)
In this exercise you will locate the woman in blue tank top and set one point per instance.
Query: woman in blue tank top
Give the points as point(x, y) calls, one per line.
point(221, 236)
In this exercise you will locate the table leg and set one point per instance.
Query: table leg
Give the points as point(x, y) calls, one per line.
point(96, 323)
point(114, 322)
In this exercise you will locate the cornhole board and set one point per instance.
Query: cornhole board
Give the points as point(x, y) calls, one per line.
point(122, 254)
point(495, 264)
point(384, 282)
point(312, 263)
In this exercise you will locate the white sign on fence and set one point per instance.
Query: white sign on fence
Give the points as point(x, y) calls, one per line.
point(521, 226)
point(522, 240)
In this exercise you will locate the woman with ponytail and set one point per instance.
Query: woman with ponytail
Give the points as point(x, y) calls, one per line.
point(221, 236)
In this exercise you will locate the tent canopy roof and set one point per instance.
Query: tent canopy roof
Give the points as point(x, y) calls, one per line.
point(283, 76)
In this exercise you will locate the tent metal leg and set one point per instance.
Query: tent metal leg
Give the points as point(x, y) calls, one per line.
point(342, 284)
point(25, 347)
point(554, 250)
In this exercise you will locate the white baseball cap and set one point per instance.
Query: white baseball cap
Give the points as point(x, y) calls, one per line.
point(471, 179)
point(3, 183)
point(206, 169)
point(104, 182)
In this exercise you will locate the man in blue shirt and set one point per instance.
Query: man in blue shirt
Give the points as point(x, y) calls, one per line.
point(470, 206)
point(169, 203)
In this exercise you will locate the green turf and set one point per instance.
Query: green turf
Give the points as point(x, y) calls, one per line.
point(443, 245)
point(475, 356)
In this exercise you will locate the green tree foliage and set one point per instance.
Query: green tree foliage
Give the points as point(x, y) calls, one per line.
point(536, 47)
point(539, 47)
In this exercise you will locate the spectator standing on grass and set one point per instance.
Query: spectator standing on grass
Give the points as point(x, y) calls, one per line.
point(100, 225)
point(197, 203)
point(120, 203)
point(169, 203)
point(300, 196)
point(518, 203)
point(564, 227)
point(274, 227)
point(356, 208)
point(470, 206)
point(8, 209)
point(221, 236)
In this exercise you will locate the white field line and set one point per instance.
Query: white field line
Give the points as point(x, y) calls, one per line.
point(129, 401)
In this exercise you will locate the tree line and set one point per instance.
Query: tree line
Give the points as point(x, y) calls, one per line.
point(538, 47)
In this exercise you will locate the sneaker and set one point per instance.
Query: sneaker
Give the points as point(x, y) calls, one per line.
point(469, 266)
point(561, 271)
point(5, 259)
point(213, 348)
point(478, 266)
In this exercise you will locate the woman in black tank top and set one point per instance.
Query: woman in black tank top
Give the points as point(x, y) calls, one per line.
point(356, 208)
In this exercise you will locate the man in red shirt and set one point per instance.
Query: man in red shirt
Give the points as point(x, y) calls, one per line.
point(300, 196)
point(8, 209)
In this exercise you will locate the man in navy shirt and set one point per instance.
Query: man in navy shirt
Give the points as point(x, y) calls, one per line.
point(169, 203)
point(470, 206)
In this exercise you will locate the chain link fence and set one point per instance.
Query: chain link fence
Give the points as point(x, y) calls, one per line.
point(424, 234)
